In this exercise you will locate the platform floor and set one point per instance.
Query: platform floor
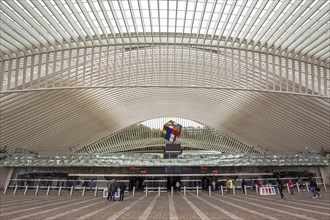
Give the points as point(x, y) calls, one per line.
point(298, 206)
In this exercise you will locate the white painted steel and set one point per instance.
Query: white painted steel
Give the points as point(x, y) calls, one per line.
point(71, 72)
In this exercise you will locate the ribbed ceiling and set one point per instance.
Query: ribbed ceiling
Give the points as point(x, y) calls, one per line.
point(73, 72)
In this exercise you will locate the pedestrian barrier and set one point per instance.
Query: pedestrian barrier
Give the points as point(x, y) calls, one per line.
point(95, 193)
point(105, 193)
point(268, 190)
point(37, 190)
point(59, 191)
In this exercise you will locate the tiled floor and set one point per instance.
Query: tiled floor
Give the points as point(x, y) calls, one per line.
point(297, 206)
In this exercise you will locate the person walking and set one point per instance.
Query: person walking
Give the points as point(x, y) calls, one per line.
point(280, 187)
point(312, 187)
point(243, 185)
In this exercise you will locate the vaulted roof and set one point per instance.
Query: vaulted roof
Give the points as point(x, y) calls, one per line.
point(73, 72)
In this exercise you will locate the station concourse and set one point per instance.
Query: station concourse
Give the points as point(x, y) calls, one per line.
point(87, 86)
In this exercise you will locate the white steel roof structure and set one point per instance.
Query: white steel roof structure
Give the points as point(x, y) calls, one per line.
point(73, 72)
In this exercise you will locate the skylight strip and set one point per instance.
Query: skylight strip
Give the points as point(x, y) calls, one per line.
point(21, 27)
point(105, 13)
point(193, 20)
point(151, 25)
point(310, 44)
point(81, 18)
point(97, 15)
point(278, 16)
point(304, 28)
point(18, 37)
point(142, 20)
point(14, 43)
point(255, 23)
point(302, 38)
point(209, 20)
point(53, 22)
point(267, 23)
point(39, 24)
point(294, 15)
point(87, 13)
point(74, 24)
point(234, 27)
point(225, 19)
point(124, 18)
point(201, 20)
point(221, 7)
point(55, 19)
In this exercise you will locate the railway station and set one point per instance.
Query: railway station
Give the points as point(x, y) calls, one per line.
point(191, 109)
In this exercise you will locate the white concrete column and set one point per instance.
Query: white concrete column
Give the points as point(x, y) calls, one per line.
point(158, 190)
point(245, 191)
point(172, 190)
point(210, 193)
point(234, 191)
point(71, 191)
point(6, 188)
point(197, 190)
point(184, 190)
point(325, 173)
point(5, 173)
point(83, 192)
point(221, 190)
point(257, 190)
point(146, 191)
point(133, 190)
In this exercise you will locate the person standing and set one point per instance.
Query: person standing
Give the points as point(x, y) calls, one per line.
point(243, 185)
point(228, 186)
point(205, 185)
point(231, 185)
point(109, 189)
point(112, 189)
point(280, 187)
point(122, 191)
point(177, 186)
point(213, 185)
